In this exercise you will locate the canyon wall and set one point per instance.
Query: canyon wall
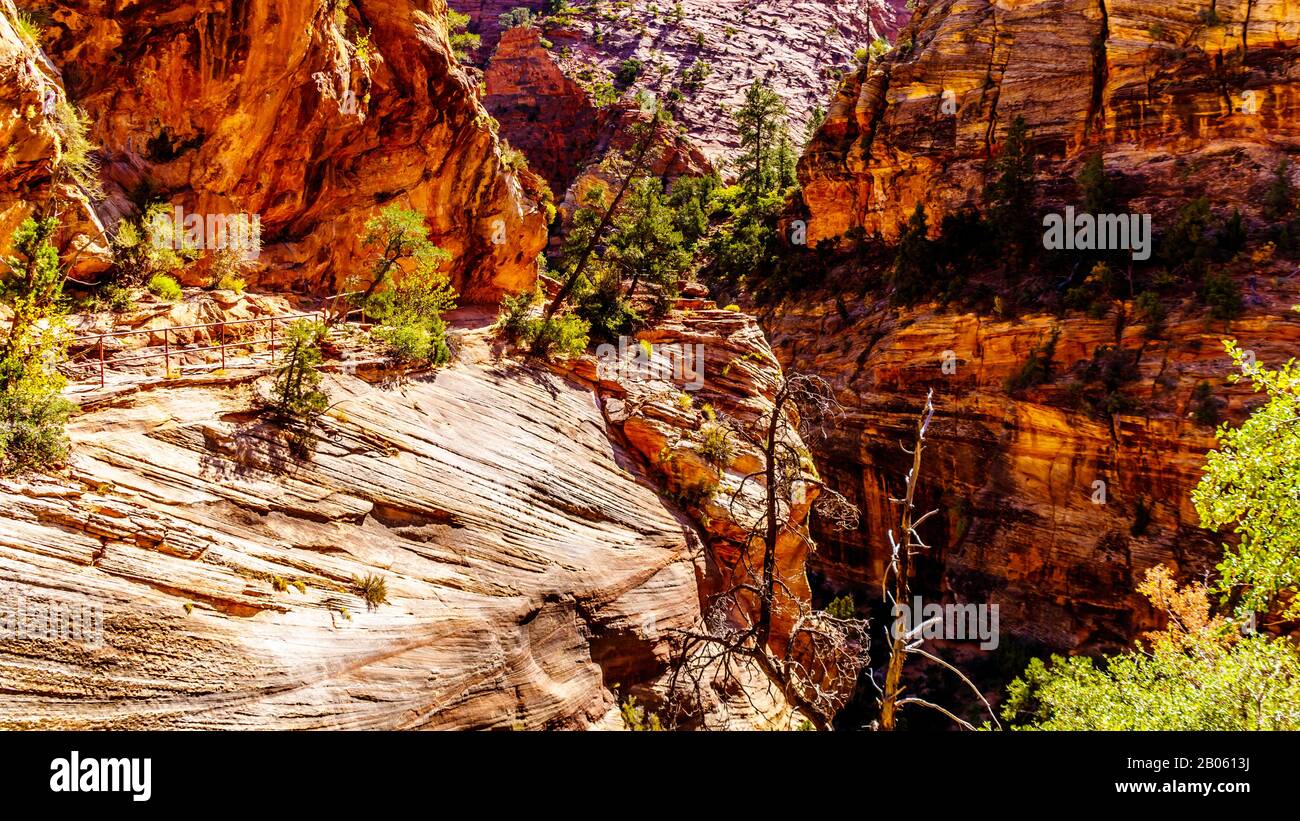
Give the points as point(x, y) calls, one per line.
point(308, 117)
point(1047, 509)
point(1023, 522)
point(1164, 91)
point(550, 83)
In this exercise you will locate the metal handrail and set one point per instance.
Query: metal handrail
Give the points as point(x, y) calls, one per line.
point(322, 315)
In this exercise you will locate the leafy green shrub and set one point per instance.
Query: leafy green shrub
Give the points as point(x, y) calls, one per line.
point(559, 337)
point(1012, 192)
point(1222, 294)
point(462, 41)
point(1150, 311)
point(229, 282)
point(1037, 369)
point(638, 719)
point(297, 394)
point(119, 299)
point(32, 418)
point(519, 17)
point(512, 158)
point(1101, 380)
point(76, 151)
point(32, 410)
point(1189, 243)
point(913, 273)
point(842, 607)
point(629, 71)
point(148, 246)
point(408, 310)
point(29, 28)
point(417, 342)
point(516, 311)
point(715, 445)
point(607, 312)
point(165, 288)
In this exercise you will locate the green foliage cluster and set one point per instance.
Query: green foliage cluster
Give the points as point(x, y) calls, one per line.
point(716, 446)
point(1098, 387)
point(463, 42)
point(165, 288)
point(638, 719)
point(1201, 672)
point(519, 17)
point(842, 607)
point(76, 151)
point(33, 411)
point(1252, 483)
point(1037, 368)
point(298, 398)
point(407, 292)
point(149, 246)
point(372, 589)
point(628, 72)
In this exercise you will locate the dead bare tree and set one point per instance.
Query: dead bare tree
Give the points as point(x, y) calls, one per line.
point(815, 660)
point(896, 590)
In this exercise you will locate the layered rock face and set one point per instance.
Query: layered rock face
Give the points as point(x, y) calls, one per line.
point(542, 111)
point(520, 552)
point(799, 49)
point(35, 131)
point(545, 94)
point(1050, 512)
point(1162, 90)
point(514, 513)
point(309, 118)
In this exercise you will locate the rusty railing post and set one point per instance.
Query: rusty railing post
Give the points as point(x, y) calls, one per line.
point(101, 360)
point(167, 353)
point(223, 346)
point(272, 340)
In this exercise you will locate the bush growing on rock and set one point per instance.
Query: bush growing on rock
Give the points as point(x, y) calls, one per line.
point(559, 337)
point(148, 246)
point(372, 589)
point(165, 288)
point(298, 398)
point(1201, 672)
point(462, 40)
point(516, 310)
point(32, 410)
point(715, 445)
point(407, 293)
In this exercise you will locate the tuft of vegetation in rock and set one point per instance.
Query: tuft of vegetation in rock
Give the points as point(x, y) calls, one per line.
point(33, 412)
point(716, 446)
point(165, 288)
point(372, 589)
point(298, 398)
point(1037, 369)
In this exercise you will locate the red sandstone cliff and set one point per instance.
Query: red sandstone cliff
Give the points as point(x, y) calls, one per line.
point(271, 108)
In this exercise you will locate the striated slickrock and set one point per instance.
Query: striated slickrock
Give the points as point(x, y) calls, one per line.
point(309, 118)
point(534, 571)
point(1181, 99)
